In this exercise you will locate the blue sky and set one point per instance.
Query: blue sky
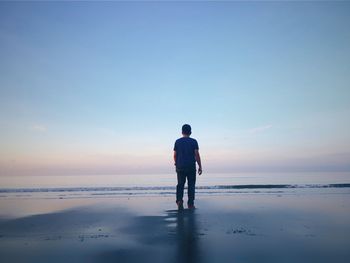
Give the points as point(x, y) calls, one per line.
point(105, 87)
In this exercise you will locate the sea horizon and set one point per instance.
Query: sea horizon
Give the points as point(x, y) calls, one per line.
point(109, 186)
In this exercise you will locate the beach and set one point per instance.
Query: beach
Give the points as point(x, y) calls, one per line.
point(110, 109)
point(274, 225)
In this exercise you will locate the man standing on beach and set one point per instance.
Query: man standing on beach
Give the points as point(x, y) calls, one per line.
point(186, 154)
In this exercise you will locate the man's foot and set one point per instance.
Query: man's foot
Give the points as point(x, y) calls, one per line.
point(191, 206)
point(180, 205)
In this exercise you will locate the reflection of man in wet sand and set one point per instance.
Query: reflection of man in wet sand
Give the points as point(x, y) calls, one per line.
point(187, 238)
point(186, 154)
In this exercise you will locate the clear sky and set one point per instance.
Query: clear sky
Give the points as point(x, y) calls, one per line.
point(105, 87)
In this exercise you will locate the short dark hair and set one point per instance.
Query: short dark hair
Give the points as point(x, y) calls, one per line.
point(186, 129)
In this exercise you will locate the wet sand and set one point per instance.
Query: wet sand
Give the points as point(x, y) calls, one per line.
point(225, 228)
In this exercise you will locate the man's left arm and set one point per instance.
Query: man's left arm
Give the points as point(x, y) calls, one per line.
point(175, 147)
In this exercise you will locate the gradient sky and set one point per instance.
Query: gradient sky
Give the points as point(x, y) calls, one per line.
point(97, 88)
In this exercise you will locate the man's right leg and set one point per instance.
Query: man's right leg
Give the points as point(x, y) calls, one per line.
point(181, 180)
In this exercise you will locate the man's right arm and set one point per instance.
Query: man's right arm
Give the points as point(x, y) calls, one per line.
point(198, 160)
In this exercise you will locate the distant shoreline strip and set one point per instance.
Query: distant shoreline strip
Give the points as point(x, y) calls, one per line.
point(165, 188)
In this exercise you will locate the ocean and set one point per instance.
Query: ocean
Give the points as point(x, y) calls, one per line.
point(105, 186)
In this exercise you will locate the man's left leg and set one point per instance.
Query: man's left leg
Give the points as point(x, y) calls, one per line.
point(181, 180)
point(191, 181)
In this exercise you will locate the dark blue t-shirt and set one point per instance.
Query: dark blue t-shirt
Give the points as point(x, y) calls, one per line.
point(184, 148)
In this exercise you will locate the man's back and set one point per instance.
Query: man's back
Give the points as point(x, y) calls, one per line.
point(185, 152)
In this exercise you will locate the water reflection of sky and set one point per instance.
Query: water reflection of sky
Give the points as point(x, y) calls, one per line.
point(253, 228)
point(207, 179)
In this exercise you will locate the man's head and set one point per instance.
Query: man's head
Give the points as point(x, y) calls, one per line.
point(186, 129)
